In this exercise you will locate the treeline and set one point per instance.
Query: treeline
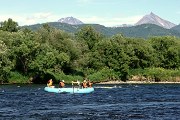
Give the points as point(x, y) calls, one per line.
point(36, 56)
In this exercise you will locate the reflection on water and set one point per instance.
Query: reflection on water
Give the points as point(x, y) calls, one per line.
point(143, 102)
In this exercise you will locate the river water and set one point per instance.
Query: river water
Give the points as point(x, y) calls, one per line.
point(107, 102)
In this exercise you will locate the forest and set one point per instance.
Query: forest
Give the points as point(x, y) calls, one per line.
point(28, 56)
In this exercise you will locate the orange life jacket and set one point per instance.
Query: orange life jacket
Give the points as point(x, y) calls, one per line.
point(49, 83)
point(90, 84)
point(84, 85)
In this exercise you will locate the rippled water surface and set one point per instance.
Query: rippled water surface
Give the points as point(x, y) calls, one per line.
point(107, 102)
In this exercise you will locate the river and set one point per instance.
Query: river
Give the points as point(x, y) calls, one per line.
point(107, 102)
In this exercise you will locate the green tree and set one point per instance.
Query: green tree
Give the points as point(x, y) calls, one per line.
point(5, 63)
point(23, 49)
point(86, 38)
point(167, 49)
point(110, 53)
point(9, 25)
point(61, 42)
point(141, 53)
point(89, 35)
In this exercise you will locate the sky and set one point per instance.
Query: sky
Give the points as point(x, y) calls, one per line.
point(104, 12)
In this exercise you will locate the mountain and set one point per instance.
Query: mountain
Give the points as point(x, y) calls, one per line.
point(144, 30)
point(70, 20)
point(177, 28)
point(154, 19)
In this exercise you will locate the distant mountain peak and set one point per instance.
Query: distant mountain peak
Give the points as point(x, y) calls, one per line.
point(154, 19)
point(152, 13)
point(70, 20)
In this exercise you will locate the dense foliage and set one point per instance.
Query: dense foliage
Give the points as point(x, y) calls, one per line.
point(36, 56)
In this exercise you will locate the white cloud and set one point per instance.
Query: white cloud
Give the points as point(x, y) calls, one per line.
point(14, 17)
point(44, 17)
point(41, 18)
point(32, 18)
point(112, 21)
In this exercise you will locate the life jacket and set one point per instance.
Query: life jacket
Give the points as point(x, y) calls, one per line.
point(84, 84)
point(49, 83)
point(90, 84)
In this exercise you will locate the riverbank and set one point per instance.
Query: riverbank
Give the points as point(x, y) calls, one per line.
point(137, 82)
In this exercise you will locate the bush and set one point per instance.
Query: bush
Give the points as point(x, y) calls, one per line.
point(16, 77)
point(103, 75)
point(156, 74)
point(66, 78)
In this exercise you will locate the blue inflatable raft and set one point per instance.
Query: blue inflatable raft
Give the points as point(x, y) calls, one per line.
point(69, 90)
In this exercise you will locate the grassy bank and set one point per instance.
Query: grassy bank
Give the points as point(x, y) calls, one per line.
point(148, 75)
point(155, 75)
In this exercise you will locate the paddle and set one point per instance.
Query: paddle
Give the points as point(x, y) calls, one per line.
point(73, 86)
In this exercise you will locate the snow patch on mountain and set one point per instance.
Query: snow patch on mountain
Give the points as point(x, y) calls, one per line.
point(70, 20)
point(154, 19)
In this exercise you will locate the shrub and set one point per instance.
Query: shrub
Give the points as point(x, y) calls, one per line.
point(66, 78)
point(16, 77)
point(103, 75)
point(156, 74)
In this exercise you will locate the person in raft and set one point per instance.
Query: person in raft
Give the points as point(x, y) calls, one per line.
point(84, 84)
point(50, 83)
point(61, 84)
point(89, 83)
point(77, 82)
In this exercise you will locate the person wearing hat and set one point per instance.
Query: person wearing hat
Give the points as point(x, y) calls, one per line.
point(76, 83)
point(61, 84)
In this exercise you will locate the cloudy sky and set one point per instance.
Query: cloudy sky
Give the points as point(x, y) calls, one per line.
point(104, 12)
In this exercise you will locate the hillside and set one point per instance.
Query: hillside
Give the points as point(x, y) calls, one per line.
point(177, 28)
point(144, 30)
